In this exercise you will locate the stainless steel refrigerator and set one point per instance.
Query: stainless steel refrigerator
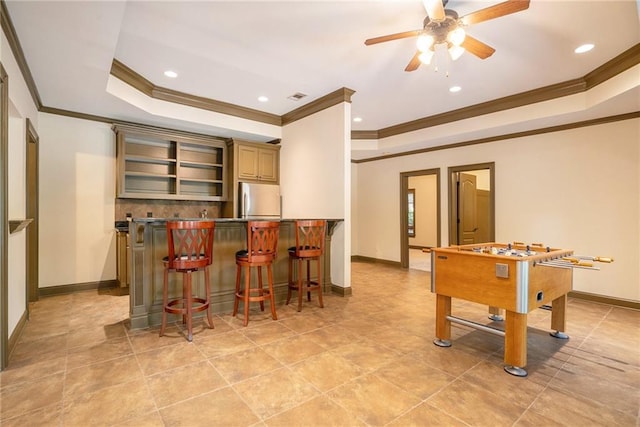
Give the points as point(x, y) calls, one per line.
point(259, 201)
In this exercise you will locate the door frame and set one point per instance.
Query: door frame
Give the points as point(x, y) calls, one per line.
point(453, 197)
point(404, 210)
point(4, 220)
point(32, 211)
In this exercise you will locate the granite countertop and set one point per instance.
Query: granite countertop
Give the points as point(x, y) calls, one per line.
point(123, 226)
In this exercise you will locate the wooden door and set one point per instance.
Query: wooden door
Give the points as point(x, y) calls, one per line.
point(467, 209)
point(267, 165)
point(32, 212)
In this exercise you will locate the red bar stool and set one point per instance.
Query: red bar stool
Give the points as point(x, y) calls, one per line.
point(190, 245)
point(262, 248)
point(310, 236)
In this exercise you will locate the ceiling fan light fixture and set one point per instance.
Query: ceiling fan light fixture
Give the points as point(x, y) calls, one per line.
point(456, 52)
point(426, 56)
point(424, 42)
point(456, 37)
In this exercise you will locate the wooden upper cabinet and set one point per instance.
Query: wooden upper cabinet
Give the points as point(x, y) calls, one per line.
point(257, 162)
point(157, 163)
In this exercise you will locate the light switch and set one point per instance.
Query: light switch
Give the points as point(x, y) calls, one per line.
point(502, 270)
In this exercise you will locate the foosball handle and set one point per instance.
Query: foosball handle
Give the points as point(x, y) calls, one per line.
point(603, 259)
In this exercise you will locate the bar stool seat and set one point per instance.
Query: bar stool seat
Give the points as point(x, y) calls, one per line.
point(262, 248)
point(190, 247)
point(310, 236)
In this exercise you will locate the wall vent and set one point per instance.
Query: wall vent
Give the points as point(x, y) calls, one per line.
point(297, 96)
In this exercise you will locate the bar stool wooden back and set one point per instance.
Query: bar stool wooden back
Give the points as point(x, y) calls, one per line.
point(310, 236)
point(262, 248)
point(190, 247)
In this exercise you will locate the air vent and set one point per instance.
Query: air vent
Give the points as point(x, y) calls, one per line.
point(297, 96)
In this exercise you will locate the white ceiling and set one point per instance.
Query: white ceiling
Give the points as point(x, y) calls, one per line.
point(235, 51)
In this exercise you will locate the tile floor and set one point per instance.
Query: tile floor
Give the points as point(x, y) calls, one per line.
point(366, 360)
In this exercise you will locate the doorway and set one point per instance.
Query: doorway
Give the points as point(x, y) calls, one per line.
point(472, 204)
point(32, 212)
point(419, 214)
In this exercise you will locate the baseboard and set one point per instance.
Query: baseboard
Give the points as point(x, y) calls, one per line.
point(360, 258)
point(17, 332)
point(619, 302)
point(339, 290)
point(77, 287)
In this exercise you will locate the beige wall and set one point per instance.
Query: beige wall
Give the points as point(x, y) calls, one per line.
point(77, 197)
point(315, 180)
point(577, 189)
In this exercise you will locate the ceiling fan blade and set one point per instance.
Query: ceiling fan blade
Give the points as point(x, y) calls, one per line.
point(477, 48)
point(492, 12)
point(435, 9)
point(390, 37)
point(414, 63)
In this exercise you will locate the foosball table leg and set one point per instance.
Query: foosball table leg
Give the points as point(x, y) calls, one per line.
point(515, 343)
point(443, 325)
point(495, 314)
point(559, 318)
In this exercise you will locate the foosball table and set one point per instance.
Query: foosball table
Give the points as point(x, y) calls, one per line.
point(514, 277)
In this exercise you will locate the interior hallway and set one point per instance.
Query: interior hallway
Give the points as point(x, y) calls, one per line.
point(364, 360)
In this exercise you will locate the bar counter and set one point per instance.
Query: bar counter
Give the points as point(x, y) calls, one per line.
point(148, 240)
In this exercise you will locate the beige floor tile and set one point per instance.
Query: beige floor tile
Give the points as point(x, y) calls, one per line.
point(319, 411)
point(94, 377)
point(327, 370)
point(169, 357)
point(151, 419)
point(242, 365)
point(266, 333)
point(331, 336)
point(42, 349)
point(95, 334)
point(21, 372)
point(373, 400)
point(183, 383)
point(426, 415)
point(107, 407)
point(415, 376)
point(570, 409)
point(275, 392)
point(293, 349)
point(476, 405)
point(48, 416)
point(98, 352)
point(366, 354)
point(223, 344)
point(29, 396)
point(452, 360)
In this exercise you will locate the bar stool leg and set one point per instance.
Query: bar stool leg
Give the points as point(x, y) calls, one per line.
point(260, 287)
point(189, 304)
point(165, 300)
point(319, 283)
point(272, 299)
point(207, 289)
point(236, 300)
point(247, 291)
point(308, 280)
point(299, 283)
point(290, 280)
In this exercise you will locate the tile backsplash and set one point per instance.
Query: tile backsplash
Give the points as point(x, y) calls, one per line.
point(139, 208)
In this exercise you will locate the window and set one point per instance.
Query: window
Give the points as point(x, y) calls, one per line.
point(411, 223)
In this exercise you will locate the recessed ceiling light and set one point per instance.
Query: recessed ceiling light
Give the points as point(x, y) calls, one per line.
point(171, 74)
point(454, 89)
point(263, 98)
point(584, 48)
point(357, 119)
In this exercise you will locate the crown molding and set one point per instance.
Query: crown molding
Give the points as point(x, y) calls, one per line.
point(329, 100)
point(611, 68)
point(558, 128)
point(10, 33)
point(132, 78)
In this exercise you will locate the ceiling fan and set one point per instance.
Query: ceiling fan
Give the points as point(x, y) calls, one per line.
point(444, 27)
